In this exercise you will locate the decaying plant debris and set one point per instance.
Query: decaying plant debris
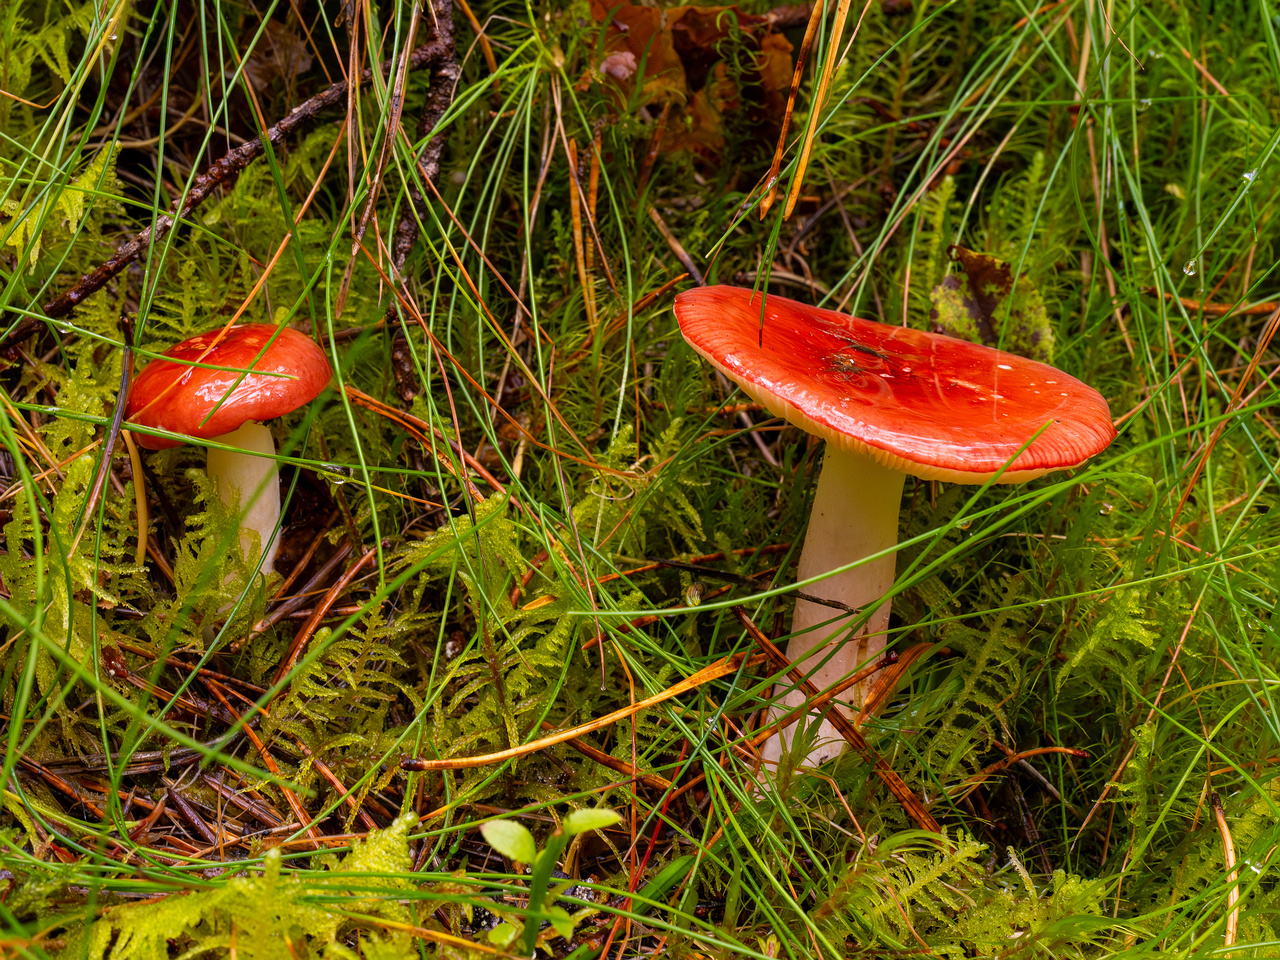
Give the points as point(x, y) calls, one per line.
point(537, 559)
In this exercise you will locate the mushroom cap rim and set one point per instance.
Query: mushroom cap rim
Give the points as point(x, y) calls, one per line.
point(213, 383)
point(788, 367)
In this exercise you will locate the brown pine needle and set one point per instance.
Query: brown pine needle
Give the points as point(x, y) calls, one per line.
point(1218, 309)
point(960, 791)
point(1238, 399)
point(819, 99)
point(486, 48)
point(887, 775)
point(613, 763)
point(1229, 857)
point(771, 178)
point(321, 611)
point(721, 668)
point(579, 254)
point(139, 497)
point(677, 247)
point(305, 819)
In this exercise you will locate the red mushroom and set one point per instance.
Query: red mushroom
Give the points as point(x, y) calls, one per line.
point(889, 401)
point(220, 385)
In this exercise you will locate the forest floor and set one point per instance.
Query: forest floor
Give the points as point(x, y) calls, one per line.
point(502, 693)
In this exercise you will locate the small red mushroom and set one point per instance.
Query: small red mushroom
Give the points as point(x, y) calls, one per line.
point(220, 385)
point(889, 401)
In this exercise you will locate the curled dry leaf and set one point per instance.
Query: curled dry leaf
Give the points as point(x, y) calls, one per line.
point(714, 66)
point(281, 55)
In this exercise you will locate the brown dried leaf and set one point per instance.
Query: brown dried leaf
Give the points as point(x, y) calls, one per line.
point(681, 51)
point(280, 56)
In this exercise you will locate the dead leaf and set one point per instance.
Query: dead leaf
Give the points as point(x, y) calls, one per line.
point(985, 305)
point(281, 55)
point(677, 56)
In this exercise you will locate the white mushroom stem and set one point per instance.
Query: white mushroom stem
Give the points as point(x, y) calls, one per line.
point(248, 475)
point(855, 515)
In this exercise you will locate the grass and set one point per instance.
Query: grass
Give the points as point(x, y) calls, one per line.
point(517, 432)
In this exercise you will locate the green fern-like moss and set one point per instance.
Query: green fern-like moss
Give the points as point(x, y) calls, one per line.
point(274, 914)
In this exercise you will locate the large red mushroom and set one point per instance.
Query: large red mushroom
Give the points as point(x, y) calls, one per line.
point(889, 401)
point(221, 385)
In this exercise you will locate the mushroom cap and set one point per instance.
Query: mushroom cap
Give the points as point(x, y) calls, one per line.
point(175, 395)
point(929, 405)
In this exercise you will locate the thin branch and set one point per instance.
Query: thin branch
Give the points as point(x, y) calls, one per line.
point(203, 185)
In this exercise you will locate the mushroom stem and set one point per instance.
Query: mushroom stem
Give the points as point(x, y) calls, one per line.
point(855, 515)
point(249, 475)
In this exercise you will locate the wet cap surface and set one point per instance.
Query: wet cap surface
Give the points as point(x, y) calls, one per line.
point(923, 403)
point(170, 394)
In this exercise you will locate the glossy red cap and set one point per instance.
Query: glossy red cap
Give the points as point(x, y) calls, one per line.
point(173, 395)
point(923, 403)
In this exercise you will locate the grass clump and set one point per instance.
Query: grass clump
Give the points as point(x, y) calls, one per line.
point(484, 228)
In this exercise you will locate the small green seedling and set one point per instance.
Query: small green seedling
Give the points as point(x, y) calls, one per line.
point(515, 842)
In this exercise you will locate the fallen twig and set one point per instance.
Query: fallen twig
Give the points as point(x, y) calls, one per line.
point(444, 80)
